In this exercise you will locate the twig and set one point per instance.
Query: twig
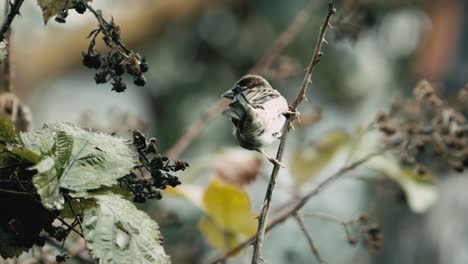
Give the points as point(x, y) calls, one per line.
point(342, 223)
point(300, 97)
point(77, 217)
point(312, 246)
point(58, 245)
point(283, 40)
point(292, 207)
point(195, 129)
point(14, 10)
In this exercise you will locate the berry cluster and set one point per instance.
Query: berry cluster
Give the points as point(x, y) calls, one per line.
point(153, 174)
point(428, 130)
point(118, 59)
point(77, 5)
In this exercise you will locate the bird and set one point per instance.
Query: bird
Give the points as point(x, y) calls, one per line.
point(258, 113)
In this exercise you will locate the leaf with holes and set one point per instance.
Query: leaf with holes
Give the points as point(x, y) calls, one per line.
point(96, 160)
point(117, 232)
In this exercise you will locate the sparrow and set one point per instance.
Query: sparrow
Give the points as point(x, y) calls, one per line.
point(258, 113)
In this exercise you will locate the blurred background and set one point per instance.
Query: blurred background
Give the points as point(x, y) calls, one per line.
point(197, 49)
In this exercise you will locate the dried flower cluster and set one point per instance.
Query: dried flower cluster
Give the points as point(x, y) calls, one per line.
point(118, 59)
point(152, 175)
point(428, 130)
point(371, 234)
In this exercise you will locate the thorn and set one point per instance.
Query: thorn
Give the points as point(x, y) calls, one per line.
point(261, 259)
point(325, 41)
point(305, 97)
point(330, 25)
point(320, 54)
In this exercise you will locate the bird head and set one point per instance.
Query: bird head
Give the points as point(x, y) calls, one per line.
point(245, 83)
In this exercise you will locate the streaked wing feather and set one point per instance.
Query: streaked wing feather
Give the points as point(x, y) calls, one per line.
point(256, 97)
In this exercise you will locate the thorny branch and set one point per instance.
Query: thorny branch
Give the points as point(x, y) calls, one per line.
point(293, 206)
point(300, 97)
point(312, 245)
point(283, 40)
point(14, 10)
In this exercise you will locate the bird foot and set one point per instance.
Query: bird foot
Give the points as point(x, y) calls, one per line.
point(276, 162)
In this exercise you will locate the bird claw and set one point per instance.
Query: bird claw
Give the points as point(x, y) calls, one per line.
point(276, 162)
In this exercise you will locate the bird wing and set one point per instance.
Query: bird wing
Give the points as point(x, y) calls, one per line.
point(258, 96)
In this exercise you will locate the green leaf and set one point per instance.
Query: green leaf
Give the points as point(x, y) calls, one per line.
point(46, 182)
point(7, 247)
point(307, 161)
point(51, 7)
point(117, 232)
point(26, 154)
point(7, 129)
point(64, 147)
point(96, 160)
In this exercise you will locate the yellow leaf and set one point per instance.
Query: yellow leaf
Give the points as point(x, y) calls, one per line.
point(229, 207)
point(189, 192)
point(420, 190)
point(51, 7)
point(307, 162)
point(216, 237)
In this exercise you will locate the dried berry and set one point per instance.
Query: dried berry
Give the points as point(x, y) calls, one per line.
point(61, 16)
point(91, 59)
point(118, 85)
point(140, 80)
point(79, 6)
point(100, 77)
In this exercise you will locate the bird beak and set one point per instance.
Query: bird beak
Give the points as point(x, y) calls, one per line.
point(229, 94)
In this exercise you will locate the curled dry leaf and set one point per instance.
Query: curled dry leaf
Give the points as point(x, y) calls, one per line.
point(238, 167)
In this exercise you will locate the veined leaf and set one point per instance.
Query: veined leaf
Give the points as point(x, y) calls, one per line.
point(96, 159)
point(47, 184)
point(117, 232)
point(64, 147)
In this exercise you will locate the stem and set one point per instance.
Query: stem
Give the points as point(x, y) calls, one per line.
point(293, 206)
point(14, 10)
point(300, 97)
point(312, 246)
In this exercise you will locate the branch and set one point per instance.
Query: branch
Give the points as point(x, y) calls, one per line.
point(312, 246)
point(300, 97)
point(283, 40)
point(80, 257)
point(14, 10)
point(292, 207)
